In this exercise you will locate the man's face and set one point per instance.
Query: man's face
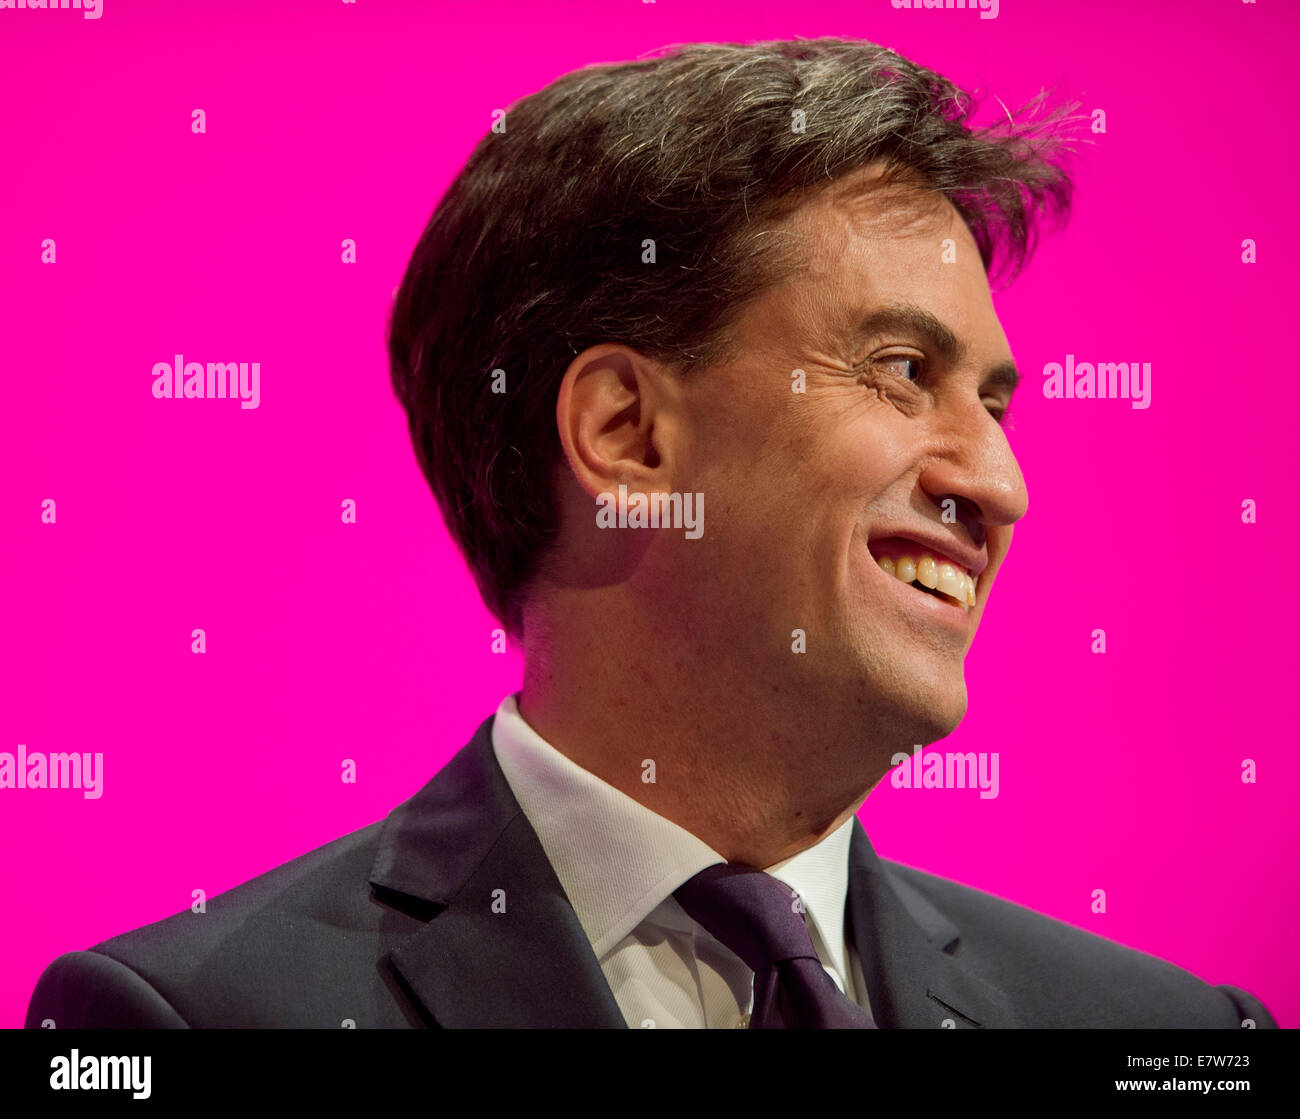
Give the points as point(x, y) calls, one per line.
point(806, 491)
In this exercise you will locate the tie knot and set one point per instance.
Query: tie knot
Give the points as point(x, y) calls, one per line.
point(755, 915)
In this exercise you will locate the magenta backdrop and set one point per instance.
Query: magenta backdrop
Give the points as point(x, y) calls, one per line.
point(1119, 771)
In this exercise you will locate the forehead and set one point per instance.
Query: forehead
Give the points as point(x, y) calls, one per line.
point(863, 242)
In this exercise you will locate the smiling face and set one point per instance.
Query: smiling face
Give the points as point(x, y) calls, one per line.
point(906, 374)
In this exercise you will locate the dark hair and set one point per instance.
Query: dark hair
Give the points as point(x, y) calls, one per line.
point(535, 251)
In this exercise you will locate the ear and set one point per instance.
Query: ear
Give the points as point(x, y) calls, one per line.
point(618, 419)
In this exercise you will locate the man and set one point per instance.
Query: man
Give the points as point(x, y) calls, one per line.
point(756, 275)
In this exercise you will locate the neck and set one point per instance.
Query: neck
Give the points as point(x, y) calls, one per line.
point(733, 758)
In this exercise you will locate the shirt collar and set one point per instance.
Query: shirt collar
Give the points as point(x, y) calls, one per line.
point(619, 862)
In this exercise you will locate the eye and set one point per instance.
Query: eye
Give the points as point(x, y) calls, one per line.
point(1000, 414)
point(918, 364)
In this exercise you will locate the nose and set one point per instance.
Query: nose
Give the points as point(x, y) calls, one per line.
point(973, 464)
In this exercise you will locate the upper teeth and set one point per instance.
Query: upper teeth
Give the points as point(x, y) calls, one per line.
point(937, 574)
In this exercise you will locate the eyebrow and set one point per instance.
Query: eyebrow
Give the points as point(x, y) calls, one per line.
point(909, 318)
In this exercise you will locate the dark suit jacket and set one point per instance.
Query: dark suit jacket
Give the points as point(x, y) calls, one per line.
point(393, 926)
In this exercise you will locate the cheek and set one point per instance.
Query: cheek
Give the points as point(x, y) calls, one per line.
point(867, 459)
point(775, 463)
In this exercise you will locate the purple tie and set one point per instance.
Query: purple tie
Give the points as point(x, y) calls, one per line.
point(754, 915)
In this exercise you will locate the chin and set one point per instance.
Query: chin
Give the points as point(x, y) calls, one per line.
point(942, 714)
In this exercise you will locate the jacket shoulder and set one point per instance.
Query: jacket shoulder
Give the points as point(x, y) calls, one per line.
point(253, 957)
point(88, 990)
point(1058, 975)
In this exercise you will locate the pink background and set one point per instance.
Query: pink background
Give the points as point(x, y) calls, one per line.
point(329, 641)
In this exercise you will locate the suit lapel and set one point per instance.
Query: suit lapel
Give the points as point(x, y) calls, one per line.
point(505, 948)
point(904, 945)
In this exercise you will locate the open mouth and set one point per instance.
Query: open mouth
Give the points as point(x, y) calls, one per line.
point(925, 570)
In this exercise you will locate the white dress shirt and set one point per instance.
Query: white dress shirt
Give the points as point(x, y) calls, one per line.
point(619, 864)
